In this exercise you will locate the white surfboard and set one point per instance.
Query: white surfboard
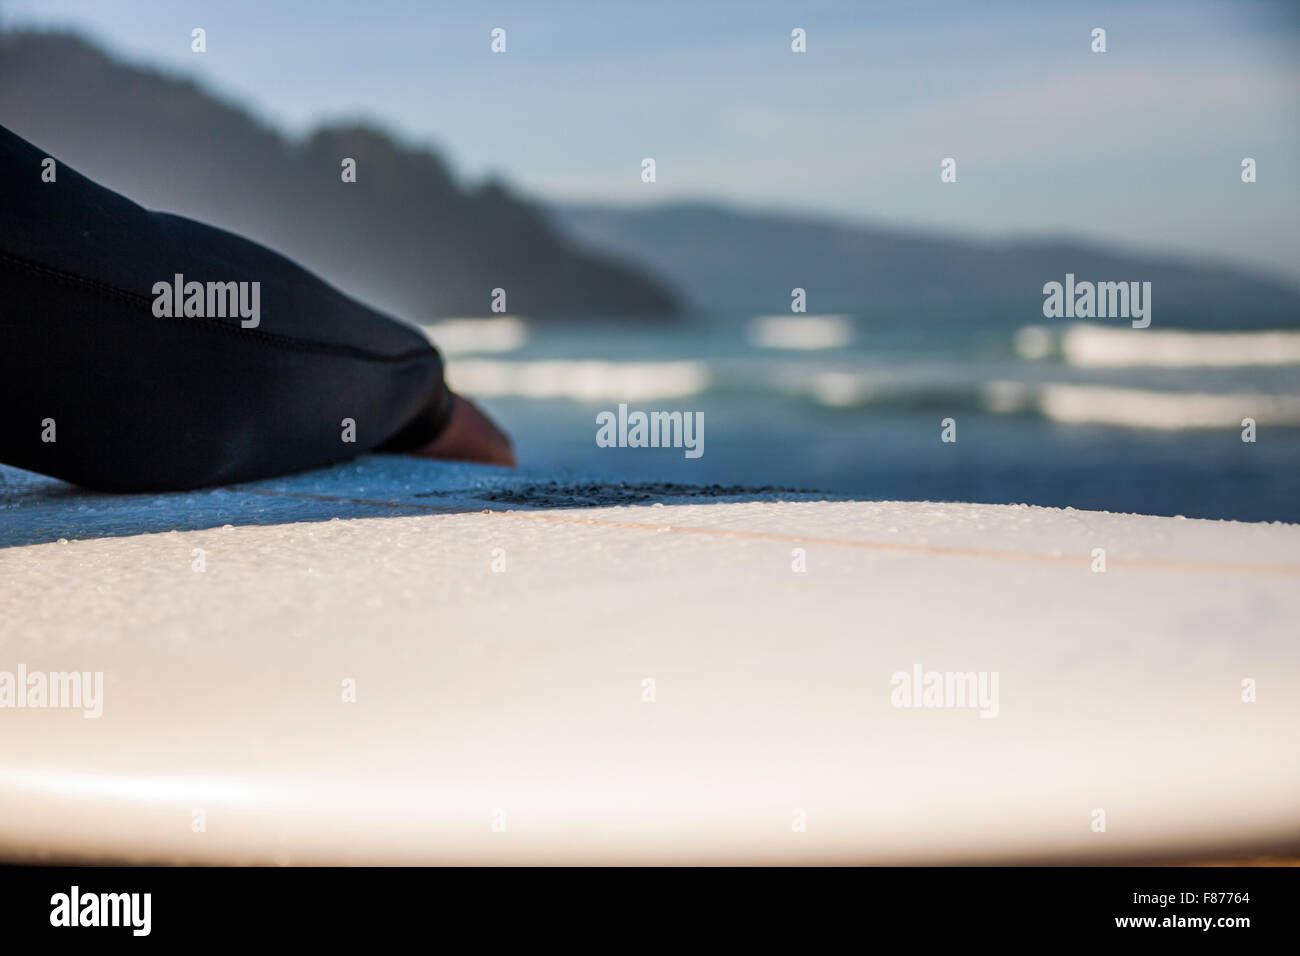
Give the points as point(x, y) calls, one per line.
point(399, 661)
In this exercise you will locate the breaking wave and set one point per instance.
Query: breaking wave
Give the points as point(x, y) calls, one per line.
point(505, 333)
point(800, 332)
point(582, 380)
point(1073, 403)
point(1091, 346)
point(950, 387)
point(1076, 404)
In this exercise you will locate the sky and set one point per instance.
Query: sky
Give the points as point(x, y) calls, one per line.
point(1139, 146)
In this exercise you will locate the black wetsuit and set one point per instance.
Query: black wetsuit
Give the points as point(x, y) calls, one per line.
point(135, 401)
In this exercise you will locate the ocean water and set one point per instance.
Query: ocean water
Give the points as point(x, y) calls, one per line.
point(1090, 415)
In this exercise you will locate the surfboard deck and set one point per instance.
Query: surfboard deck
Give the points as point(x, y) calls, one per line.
point(558, 669)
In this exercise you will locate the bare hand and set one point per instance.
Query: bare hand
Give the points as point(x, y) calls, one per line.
point(470, 436)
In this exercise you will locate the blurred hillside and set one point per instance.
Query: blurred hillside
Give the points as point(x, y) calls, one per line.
point(405, 237)
point(735, 260)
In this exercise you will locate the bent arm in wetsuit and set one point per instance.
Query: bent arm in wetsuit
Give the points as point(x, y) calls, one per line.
point(105, 384)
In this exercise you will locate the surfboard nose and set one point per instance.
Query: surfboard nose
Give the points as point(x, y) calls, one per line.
point(404, 661)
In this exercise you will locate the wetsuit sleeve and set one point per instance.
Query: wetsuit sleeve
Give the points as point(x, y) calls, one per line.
point(141, 351)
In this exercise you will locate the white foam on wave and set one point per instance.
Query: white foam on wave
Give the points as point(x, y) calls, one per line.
point(860, 388)
point(800, 332)
point(841, 389)
point(1139, 407)
point(505, 333)
point(1035, 342)
point(578, 379)
point(1091, 346)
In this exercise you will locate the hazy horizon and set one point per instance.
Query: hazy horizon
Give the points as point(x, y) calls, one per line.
point(1151, 133)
